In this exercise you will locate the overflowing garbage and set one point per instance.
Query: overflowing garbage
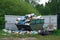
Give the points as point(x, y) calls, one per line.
point(39, 32)
point(29, 24)
point(21, 32)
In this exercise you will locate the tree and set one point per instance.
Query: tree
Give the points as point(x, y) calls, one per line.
point(40, 8)
point(43, 10)
point(27, 1)
point(54, 6)
point(51, 8)
point(16, 7)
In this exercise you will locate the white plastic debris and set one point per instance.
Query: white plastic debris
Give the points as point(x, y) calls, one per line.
point(16, 32)
point(16, 22)
point(32, 14)
point(34, 32)
point(22, 32)
point(9, 31)
point(39, 17)
point(39, 31)
point(18, 19)
point(28, 15)
point(27, 24)
point(31, 32)
point(5, 30)
point(55, 28)
point(28, 32)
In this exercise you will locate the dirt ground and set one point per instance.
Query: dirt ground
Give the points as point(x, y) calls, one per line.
point(19, 38)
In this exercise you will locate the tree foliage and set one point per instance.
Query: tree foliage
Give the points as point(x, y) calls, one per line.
point(16, 7)
point(54, 6)
point(51, 8)
point(43, 10)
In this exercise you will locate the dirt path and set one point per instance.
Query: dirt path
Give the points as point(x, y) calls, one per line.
point(30, 38)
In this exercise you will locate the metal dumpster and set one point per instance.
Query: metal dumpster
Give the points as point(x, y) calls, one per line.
point(37, 24)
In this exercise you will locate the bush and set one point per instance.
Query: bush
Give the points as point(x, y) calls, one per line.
point(56, 32)
point(16, 7)
point(2, 22)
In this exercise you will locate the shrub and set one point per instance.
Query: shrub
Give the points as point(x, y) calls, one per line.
point(2, 22)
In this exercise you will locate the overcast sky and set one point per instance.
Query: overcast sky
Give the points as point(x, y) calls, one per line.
point(43, 1)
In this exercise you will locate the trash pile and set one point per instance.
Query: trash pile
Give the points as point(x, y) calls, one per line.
point(39, 32)
point(21, 32)
point(29, 19)
point(29, 24)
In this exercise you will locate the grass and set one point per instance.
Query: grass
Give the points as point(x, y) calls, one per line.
point(54, 36)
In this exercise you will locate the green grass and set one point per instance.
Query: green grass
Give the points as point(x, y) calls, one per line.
point(54, 36)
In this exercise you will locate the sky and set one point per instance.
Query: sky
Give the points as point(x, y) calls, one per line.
point(43, 2)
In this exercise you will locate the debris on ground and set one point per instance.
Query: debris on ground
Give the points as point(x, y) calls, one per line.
point(29, 38)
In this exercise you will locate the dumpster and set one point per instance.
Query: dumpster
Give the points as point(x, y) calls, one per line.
point(33, 24)
point(37, 24)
